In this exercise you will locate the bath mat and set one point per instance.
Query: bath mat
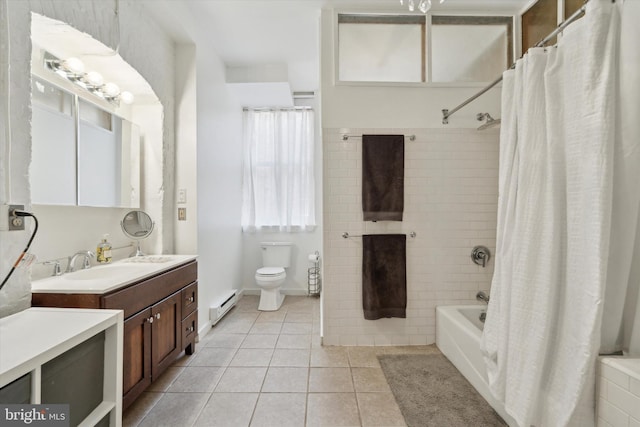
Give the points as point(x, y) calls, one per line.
point(432, 393)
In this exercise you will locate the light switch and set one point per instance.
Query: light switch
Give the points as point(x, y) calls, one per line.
point(182, 195)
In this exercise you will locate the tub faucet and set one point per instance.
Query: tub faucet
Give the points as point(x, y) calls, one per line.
point(86, 263)
point(481, 296)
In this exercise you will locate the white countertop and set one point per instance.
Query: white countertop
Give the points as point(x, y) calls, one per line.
point(35, 335)
point(109, 277)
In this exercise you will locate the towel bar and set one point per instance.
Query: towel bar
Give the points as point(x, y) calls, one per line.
point(346, 235)
point(345, 137)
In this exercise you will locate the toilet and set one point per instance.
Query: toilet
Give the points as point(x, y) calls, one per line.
point(276, 256)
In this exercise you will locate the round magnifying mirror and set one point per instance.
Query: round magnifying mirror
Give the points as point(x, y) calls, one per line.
point(137, 225)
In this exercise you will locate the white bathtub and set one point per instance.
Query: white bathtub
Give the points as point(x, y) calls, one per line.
point(458, 331)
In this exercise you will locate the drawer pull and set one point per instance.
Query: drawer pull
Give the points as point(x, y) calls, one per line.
point(158, 316)
point(190, 299)
point(189, 329)
point(150, 319)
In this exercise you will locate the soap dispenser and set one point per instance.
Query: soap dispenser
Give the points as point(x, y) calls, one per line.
point(103, 252)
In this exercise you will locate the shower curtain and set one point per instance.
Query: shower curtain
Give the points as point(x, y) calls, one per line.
point(569, 185)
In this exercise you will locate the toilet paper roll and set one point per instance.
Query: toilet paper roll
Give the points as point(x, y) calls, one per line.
point(314, 257)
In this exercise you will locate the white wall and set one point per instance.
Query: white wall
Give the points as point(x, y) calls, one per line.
point(219, 168)
point(186, 232)
point(450, 201)
point(142, 45)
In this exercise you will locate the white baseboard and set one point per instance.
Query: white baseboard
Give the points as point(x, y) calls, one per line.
point(293, 292)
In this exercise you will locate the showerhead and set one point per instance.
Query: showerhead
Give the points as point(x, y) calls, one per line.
point(490, 121)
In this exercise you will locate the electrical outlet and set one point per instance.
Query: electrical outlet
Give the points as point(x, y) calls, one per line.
point(182, 195)
point(10, 222)
point(16, 223)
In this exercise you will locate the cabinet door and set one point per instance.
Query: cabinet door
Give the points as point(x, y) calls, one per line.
point(167, 333)
point(137, 356)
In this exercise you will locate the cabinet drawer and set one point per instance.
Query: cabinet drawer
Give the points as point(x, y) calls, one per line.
point(189, 299)
point(149, 291)
point(190, 327)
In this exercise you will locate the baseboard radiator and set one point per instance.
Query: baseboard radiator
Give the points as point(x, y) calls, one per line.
point(222, 305)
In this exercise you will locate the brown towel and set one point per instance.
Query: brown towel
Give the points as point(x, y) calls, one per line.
point(384, 276)
point(382, 177)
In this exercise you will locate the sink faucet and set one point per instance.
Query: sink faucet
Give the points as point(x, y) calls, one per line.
point(86, 263)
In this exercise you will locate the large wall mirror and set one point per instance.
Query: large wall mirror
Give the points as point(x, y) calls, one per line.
point(82, 154)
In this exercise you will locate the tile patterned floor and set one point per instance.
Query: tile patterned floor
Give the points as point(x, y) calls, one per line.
point(268, 369)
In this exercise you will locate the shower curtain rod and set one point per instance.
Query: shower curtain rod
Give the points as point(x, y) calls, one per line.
point(577, 14)
point(345, 137)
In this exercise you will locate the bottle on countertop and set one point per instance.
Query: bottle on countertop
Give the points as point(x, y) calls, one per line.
point(103, 252)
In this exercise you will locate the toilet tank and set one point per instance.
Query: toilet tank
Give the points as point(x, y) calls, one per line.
point(276, 254)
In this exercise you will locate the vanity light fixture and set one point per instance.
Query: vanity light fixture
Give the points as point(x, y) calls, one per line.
point(72, 69)
point(423, 5)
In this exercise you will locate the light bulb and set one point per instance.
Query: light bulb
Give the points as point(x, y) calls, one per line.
point(412, 6)
point(424, 6)
point(94, 78)
point(441, 1)
point(126, 97)
point(111, 90)
point(73, 65)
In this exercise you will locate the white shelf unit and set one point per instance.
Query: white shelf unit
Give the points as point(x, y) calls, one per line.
point(33, 337)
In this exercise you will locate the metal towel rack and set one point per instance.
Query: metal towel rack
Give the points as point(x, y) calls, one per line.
point(345, 137)
point(346, 235)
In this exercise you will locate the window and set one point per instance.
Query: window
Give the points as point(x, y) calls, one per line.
point(278, 171)
point(381, 48)
point(423, 49)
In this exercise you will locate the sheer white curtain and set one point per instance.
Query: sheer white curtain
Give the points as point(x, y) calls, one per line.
point(278, 172)
point(567, 216)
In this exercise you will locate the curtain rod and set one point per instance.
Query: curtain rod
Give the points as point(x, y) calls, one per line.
point(276, 108)
point(346, 136)
point(346, 235)
point(577, 14)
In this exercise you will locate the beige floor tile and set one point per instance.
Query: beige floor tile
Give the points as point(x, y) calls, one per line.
point(369, 380)
point(196, 379)
point(364, 357)
point(291, 357)
point(379, 409)
point(329, 357)
point(241, 380)
point(228, 409)
point(140, 408)
point(271, 316)
point(298, 317)
point(252, 357)
point(412, 349)
point(165, 380)
point(296, 328)
point(259, 341)
point(240, 326)
point(294, 341)
point(280, 410)
point(332, 409)
point(224, 340)
point(175, 409)
point(330, 380)
point(286, 380)
point(211, 356)
point(186, 359)
point(272, 328)
point(248, 303)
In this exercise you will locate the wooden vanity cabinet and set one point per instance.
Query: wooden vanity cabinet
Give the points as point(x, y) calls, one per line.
point(161, 320)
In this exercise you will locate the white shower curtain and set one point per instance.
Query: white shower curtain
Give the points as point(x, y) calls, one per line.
point(567, 219)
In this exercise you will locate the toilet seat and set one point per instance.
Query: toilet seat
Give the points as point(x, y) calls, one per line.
point(270, 271)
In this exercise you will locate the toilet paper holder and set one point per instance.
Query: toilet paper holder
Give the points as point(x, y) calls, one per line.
point(313, 275)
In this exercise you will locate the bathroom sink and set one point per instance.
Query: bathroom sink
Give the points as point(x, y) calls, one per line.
point(148, 259)
point(105, 272)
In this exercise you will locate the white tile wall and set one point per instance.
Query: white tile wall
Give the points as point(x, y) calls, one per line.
point(618, 403)
point(451, 192)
